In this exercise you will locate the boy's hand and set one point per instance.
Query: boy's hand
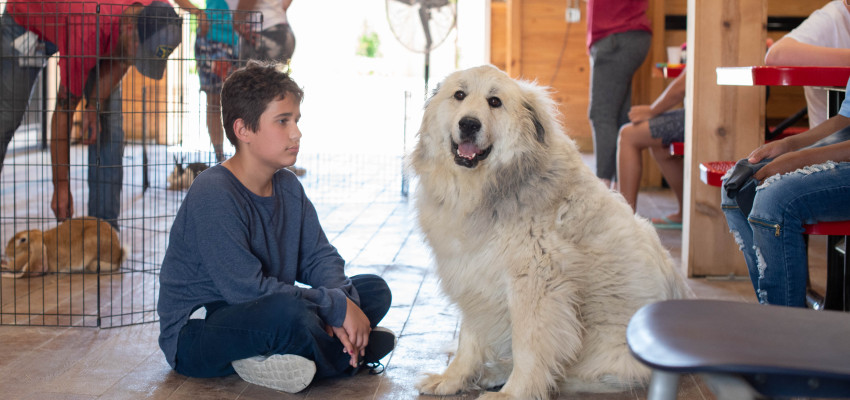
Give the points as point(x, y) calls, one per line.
point(354, 332)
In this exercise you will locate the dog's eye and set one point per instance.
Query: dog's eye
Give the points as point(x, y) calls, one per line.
point(460, 95)
point(494, 102)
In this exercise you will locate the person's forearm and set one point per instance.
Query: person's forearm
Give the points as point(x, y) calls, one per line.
point(59, 141)
point(672, 96)
point(286, 4)
point(819, 132)
point(246, 5)
point(838, 152)
point(788, 51)
point(111, 73)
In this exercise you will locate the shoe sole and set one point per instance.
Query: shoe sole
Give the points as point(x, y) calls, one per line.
point(285, 372)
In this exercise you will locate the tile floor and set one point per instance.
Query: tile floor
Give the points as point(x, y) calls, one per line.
point(380, 237)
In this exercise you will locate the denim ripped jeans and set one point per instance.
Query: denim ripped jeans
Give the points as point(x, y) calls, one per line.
point(771, 236)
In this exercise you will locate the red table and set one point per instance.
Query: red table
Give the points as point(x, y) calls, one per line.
point(763, 75)
point(670, 70)
point(833, 79)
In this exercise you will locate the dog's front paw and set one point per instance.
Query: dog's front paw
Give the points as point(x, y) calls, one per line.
point(442, 385)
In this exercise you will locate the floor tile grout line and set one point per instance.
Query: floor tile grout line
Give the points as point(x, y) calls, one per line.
point(409, 313)
point(377, 230)
point(403, 243)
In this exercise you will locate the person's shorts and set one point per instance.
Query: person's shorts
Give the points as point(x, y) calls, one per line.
point(669, 126)
point(216, 60)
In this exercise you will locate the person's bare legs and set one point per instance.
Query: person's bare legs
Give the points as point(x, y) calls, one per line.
point(216, 131)
point(673, 169)
point(633, 139)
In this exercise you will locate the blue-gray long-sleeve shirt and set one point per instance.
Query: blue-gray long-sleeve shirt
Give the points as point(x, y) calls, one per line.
point(229, 244)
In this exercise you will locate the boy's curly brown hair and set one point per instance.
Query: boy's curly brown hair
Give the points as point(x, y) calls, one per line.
point(248, 91)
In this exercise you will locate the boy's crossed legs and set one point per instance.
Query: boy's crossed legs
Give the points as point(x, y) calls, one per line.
point(276, 325)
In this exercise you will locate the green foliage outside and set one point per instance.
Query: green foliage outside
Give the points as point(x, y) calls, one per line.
point(369, 43)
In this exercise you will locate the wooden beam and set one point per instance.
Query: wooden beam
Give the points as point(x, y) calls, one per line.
point(647, 85)
point(722, 123)
point(514, 38)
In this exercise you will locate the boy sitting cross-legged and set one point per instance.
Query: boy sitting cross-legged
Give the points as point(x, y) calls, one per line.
point(245, 233)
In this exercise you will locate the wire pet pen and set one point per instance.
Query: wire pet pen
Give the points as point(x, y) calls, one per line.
point(145, 125)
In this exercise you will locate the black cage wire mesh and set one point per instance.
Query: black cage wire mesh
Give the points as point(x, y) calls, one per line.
point(164, 124)
point(121, 178)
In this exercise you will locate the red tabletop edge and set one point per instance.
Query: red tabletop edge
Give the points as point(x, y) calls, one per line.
point(673, 71)
point(800, 76)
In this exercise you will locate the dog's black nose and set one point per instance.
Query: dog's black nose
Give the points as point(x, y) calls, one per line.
point(468, 127)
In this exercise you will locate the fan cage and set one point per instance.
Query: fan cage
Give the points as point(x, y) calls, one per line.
point(406, 17)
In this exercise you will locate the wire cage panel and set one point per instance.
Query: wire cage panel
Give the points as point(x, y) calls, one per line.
point(60, 56)
point(149, 130)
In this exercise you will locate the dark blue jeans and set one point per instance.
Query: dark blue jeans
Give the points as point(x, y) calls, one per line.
point(274, 324)
point(771, 234)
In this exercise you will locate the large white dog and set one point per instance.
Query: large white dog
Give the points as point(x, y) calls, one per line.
point(545, 264)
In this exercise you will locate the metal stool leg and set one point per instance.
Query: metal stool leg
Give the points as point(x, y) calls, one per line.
point(835, 276)
point(663, 386)
point(729, 387)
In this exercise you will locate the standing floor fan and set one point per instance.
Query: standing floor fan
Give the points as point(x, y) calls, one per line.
point(422, 25)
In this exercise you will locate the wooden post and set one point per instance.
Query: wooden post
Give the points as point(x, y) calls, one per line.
point(722, 123)
point(514, 39)
point(647, 86)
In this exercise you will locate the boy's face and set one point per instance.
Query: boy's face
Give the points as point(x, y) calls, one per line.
point(277, 139)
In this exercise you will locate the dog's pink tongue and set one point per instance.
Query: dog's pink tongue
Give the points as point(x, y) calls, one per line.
point(468, 150)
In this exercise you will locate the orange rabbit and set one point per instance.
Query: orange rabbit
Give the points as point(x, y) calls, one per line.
point(72, 246)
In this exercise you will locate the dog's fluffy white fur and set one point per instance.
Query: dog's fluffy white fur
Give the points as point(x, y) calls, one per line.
point(545, 263)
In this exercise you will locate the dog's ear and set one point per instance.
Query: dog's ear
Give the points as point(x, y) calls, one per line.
point(538, 126)
point(542, 110)
point(431, 96)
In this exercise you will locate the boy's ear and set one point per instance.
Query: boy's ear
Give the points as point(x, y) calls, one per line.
point(241, 130)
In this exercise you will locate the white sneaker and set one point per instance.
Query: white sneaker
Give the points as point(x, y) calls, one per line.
point(285, 372)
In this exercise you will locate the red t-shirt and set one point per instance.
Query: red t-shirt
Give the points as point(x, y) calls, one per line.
point(79, 30)
point(607, 17)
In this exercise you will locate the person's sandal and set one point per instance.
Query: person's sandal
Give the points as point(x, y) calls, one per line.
point(665, 223)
